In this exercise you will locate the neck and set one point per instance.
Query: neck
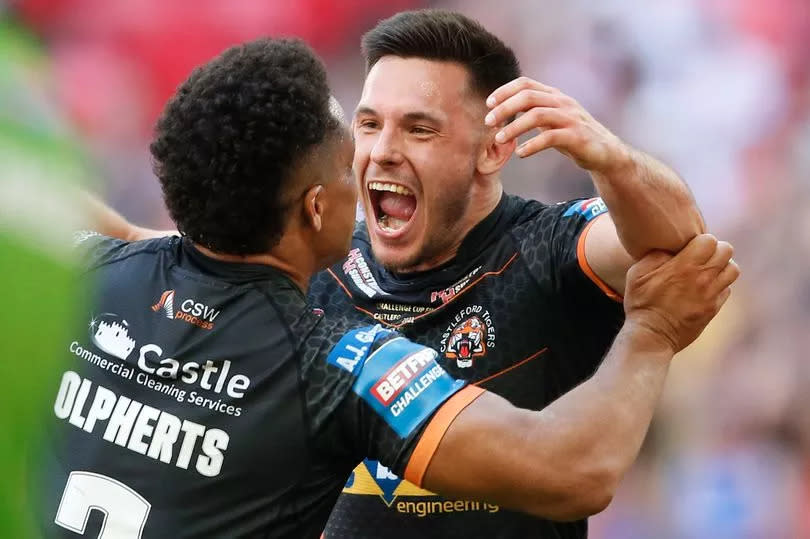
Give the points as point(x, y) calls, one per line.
point(299, 277)
point(482, 203)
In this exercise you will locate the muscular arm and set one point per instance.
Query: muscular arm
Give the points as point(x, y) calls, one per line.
point(570, 456)
point(565, 461)
point(650, 208)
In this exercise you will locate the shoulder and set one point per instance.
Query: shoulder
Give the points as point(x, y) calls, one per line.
point(95, 250)
point(552, 219)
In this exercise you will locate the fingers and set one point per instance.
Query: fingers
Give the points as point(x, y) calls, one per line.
point(699, 250)
point(721, 299)
point(726, 277)
point(722, 254)
point(536, 118)
point(651, 261)
point(511, 88)
point(520, 102)
point(552, 138)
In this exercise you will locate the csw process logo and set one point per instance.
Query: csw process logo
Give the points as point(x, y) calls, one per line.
point(190, 310)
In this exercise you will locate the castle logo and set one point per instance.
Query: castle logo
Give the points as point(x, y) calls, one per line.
point(166, 302)
point(112, 336)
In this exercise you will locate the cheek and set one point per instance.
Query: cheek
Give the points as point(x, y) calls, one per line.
point(349, 198)
point(352, 198)
point(444, 178)
point(360, 159)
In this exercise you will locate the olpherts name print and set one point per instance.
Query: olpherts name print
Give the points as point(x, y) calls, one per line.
point(139, 427)
point(88, 405)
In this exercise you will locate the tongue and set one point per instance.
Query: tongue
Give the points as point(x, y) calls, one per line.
point(397, 206)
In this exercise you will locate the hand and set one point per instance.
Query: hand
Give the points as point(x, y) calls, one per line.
point(563, 124)
point(677, 296)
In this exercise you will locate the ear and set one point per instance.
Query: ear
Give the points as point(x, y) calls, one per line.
point(314, 207)
point(493, 155)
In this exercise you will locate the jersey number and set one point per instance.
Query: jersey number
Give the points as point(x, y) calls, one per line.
point(125, 511)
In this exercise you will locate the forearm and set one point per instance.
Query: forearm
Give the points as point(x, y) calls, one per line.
point(104, 219)
point(602, 423)
point(107, 221)
point(565, 461)
point(597, 428)
point(651, 207)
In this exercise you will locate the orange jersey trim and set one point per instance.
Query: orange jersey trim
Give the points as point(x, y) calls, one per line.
point(588, 271)
point(510, 367)
point(429, 442)
point(343, 286)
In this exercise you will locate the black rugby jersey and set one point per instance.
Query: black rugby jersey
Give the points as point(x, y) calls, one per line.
point(206, 399)
point(518, 311)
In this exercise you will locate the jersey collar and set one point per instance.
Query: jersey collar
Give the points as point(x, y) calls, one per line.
point(478, 239)
point(232, 272)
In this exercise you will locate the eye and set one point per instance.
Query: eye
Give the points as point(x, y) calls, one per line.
point(367, 124)
point(420, 130)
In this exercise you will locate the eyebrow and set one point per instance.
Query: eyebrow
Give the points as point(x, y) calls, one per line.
point(409, 116)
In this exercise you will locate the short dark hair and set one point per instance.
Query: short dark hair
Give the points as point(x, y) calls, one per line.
point(228, 139)
point(435, 34)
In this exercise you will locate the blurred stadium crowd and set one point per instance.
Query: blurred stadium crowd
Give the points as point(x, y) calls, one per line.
point(720, 89)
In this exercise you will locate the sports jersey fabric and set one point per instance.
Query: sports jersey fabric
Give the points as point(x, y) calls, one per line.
point(518, 311)
point(200, 398)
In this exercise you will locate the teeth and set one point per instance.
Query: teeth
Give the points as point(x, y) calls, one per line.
point(390, 224)
point(392, 187)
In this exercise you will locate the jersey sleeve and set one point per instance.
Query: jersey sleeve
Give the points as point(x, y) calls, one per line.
point(94, 249)
point(372, 393)
point(591, 313)
point(553, 244)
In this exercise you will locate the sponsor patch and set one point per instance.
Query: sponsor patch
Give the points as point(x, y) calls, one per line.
point(188, 310)
point(356, 268)
point(588, 209)
point(353, 347)
point(403, 383)
point(448, 293)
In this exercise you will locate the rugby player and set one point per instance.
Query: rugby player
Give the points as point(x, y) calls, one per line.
point(519, 297)
point(208, 398)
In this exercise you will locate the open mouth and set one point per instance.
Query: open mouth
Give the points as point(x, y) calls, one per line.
point(394, 206)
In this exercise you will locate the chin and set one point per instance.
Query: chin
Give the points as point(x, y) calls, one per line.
point(334, 257)
point(393, 258)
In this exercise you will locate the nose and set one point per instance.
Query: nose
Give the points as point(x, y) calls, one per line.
point(386, 151)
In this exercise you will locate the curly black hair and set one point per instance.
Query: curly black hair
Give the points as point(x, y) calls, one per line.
point(228, 139)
